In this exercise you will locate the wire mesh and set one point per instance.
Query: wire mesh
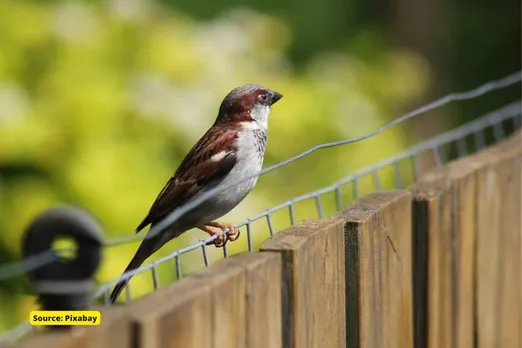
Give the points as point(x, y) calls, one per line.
point(470, 133)
point(474, 93)
point(435, 145)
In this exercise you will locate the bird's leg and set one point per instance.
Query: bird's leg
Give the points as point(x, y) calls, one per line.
point(214, 228)
point(232, 233)
point(218, 242)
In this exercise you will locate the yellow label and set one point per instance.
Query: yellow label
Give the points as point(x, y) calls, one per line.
point(65, 318)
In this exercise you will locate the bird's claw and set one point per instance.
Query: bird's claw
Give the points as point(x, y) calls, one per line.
point(232, 233)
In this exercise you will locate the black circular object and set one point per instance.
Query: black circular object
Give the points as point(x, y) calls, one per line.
point(69, 222)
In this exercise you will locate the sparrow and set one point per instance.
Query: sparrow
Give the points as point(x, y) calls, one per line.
point(232, 148)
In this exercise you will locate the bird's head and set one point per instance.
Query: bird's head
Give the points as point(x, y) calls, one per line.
point(248, 103)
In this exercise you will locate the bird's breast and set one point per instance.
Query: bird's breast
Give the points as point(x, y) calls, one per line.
point(251, 145)
point(250, 150)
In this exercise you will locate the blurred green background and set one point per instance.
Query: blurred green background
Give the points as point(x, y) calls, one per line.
point(100, 100)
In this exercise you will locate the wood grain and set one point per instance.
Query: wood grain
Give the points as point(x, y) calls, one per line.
point(263, 299)
point(499, 303)
point(313, 283)
point(449, 196)
point(379, 276)
point(432, 271)
point(235, 303)
point(468, 214)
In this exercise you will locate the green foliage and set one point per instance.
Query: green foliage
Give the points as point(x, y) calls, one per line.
point(99, 103)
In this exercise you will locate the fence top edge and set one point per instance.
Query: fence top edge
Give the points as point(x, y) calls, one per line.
point(294, 237)
point(431, 187)
point(370, 205)
point(156, 305)
point(195, 286)
point(509, 146)
point(251, 259)
point(437, 180)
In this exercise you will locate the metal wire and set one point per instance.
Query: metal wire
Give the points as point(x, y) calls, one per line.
point(17, 332)
point(225, 247)
point(155, 282)
point(498, 131)
point(338, 198)
point(471, 94)
point(319, 206)
point(462, 147)
point(24, 266)
point(478, 137)
point(355, 188)
point(127, 289)
point(27, 265)
point(179, 274)
point(270, 225)
point(475, 128)
point(376, 180)
point(249, 236)
point(205, 254)
point(439, 156)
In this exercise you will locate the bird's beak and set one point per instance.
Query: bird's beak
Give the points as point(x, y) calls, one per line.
point(275, 97)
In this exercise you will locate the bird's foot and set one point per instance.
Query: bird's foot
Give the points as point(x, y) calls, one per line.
point(216, 228)
point(232, 231)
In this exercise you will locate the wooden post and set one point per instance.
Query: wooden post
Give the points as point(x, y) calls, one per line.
point(499, 301)
point(313, 283)
point(234, 303)
point(432, 262)
point(448, 196)
point(263, 302)
point(378, 274)
point(468, 215)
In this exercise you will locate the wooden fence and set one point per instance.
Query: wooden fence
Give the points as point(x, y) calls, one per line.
point(438, 265)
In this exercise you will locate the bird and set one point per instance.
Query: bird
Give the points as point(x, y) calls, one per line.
point(231, 149)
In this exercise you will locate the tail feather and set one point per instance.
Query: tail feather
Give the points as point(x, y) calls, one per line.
point(144, 223)
point(149, 246)
point(141, 255)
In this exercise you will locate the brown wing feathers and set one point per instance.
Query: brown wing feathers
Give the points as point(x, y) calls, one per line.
point(194, 172)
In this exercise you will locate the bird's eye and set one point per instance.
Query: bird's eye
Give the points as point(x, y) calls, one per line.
point(263, 97)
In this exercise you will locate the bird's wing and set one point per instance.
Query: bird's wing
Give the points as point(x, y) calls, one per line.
point(212, 158)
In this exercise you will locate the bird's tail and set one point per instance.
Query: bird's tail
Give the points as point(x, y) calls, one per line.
point(143, 253)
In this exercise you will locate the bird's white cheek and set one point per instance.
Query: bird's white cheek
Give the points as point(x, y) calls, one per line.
point(260, 115)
